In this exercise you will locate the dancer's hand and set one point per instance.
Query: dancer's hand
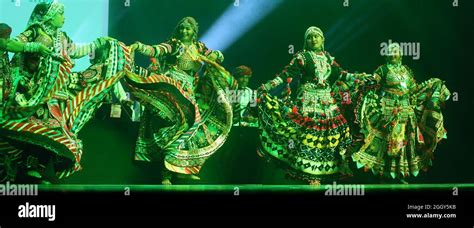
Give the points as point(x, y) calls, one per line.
point(368, 79)
point(263, 89)
point(133, 47)
point(212, 64)
point(43, 50)
point(213, 57)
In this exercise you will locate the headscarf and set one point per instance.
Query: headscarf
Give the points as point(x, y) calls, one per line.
point(192, 22)
point(312, 29)
point(391, 48)
point(395, 46)
point(44, 12)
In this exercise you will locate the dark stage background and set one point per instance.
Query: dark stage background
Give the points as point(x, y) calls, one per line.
point(353, 36)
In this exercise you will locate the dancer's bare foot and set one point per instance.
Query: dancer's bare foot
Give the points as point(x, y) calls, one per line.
point(46, 182)
point(34, 173)
point(403, 181)
point(315, 182)
point(188, 176)
point(194, 177)
point(166, 182)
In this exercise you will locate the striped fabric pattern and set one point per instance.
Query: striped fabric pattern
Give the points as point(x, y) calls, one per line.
point(61, 141)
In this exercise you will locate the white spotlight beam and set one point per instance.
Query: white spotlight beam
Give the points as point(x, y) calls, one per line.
point(239, 17)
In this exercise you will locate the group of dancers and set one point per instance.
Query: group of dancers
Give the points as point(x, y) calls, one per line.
point(383, 122)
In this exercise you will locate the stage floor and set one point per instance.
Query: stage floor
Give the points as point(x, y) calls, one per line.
point(251, 188)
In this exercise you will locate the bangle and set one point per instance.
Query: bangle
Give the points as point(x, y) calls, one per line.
point(277, 81)
point(141, 47)
point(97, 44)
point(31, 47)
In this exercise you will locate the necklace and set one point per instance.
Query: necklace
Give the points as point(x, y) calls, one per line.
point(399, 72)
point(50, 30)
point(322, 69)
point(55, 35)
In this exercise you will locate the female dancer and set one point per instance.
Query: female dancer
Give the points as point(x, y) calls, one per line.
point(187, 116)
point(41, 117)
point(401, 121)
point(8, 160)
point(309, 135)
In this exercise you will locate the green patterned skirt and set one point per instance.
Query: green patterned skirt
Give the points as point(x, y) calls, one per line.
point(182, 125)
point(400, 138)
point(309, 136)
